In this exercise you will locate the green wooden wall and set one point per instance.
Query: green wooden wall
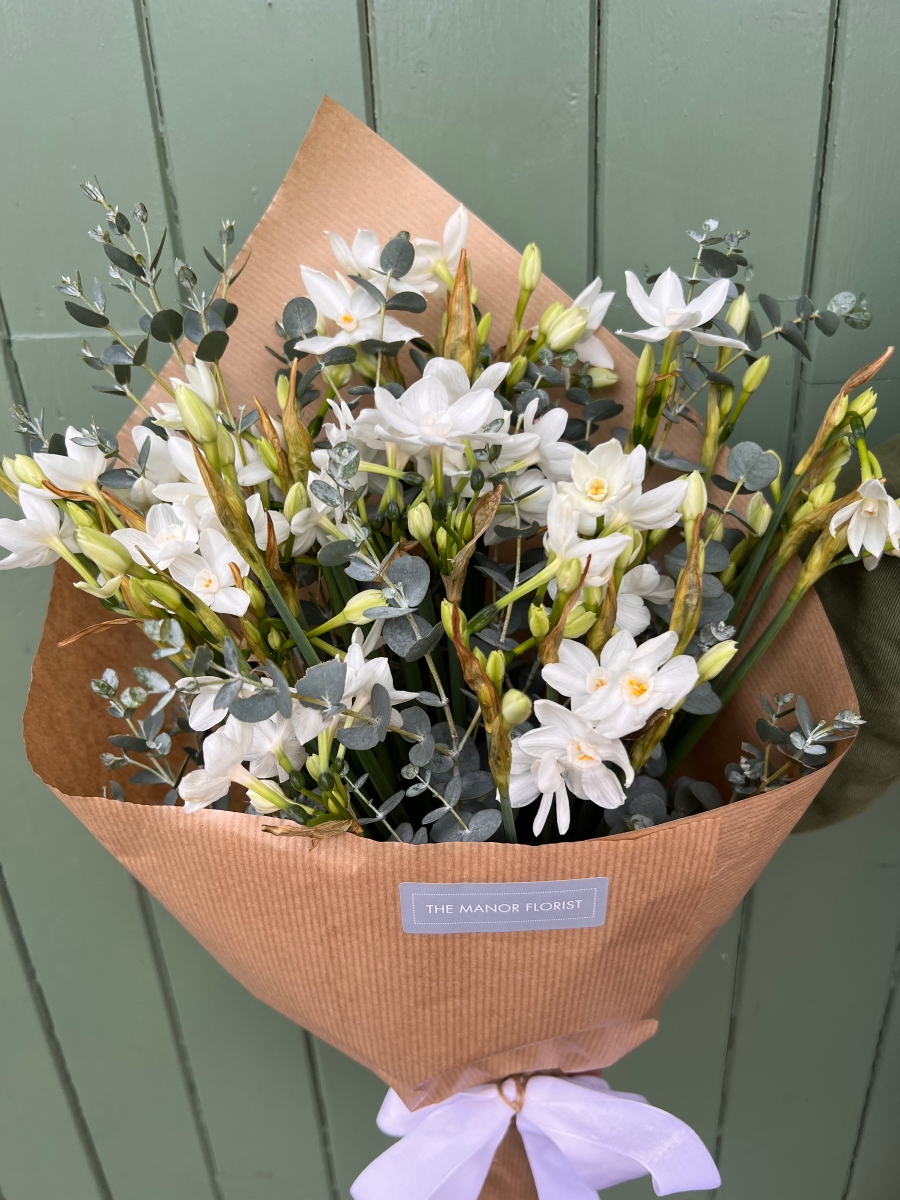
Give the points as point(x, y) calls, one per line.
point(131, 1066)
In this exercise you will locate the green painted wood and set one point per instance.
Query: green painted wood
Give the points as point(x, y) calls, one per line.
point(31, 1098)
point(819, 952)
point(857, 235)
point(495, 101)
point(231, 136)
point(876, 1165)
point(252, 1073)
point(80, 916)
point(74, 104)
point(711, 110)
point(681, 1068)
point(352, 1097)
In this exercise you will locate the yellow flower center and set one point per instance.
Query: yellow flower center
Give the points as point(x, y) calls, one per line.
point(596, 489)
point(636, 687)
point(348, 320)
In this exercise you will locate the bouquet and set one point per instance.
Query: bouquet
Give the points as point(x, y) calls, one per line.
point(418, 563)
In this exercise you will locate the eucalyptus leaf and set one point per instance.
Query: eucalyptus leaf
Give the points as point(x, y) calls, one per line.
point(401, 637)
point(226, 693)
point(717, 264)
point(420, 753)
point(285, 700)
point(358, 736)
point(397, 257)
point(337, 553)
point(757, 467)
point(343, 462)
point(771, 308)
point(794, 337)
point(147, 779)
point(426, 644)
point(325, 681)
point(258, 707)
point(299, 317)
point(708, 795)
point(212, 346)
point(325, 492)
point(86, 316)
point(483, 825)
point(702, 701)
point(407, 302)
point(380, 703)
point(413, 575)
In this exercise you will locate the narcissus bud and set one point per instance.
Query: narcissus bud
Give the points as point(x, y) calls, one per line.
point(339, 375)
point(295, 501)
point(257, 597)
point(275, 639)
point(27, 470)
point(592, 598)
point(483, 329)
point(646, 367)
point(517, 369)
point(823, 494)
point(447, 619)
point(530, 268)
point(480, 659)
point(538, 621)
point(495, 668)
point(225, 445)
point(164, 593)
point(83, 517)
point(282, 390)
point(754, 375)
point(739, 314)
point(551, 314)
point(104, 551)
point(714, 661)
point(579, 621)
point(198, 418)
point(694, 505)
point(568, 328)
point(267, 454)
point(862, 404)
point(569, 576)
point(602, 377)
point(354, 609)
point(420, 522)
point(515, 708)
point(759, 513)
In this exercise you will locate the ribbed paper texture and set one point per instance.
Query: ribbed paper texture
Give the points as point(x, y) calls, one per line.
point(317, 934)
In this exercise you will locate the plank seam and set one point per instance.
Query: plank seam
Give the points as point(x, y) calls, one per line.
point(889, 1002)
point(177, 1030)
point(11, 366)
point(816, 214)
point(318, 1095)
point(364, 25)
point(158, 124)
point(736, 991)
point(593, 153)
point(45, 1020)
point(599, 132)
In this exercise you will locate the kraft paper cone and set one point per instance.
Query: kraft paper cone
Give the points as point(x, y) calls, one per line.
point(317, 934)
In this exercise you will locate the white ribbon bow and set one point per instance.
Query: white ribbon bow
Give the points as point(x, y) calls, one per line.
point(579, 1135)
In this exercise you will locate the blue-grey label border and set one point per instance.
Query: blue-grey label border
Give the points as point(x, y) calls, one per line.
point(438, 908)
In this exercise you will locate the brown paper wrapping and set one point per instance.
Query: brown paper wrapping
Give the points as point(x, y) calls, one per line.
point(317, 934)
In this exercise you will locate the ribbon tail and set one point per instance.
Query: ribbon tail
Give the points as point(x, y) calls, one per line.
point(554, 1176)
point(609, 1139)
point(447, 1156)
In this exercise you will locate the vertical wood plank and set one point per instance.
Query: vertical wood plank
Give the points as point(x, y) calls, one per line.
point(252, 1075)
point(495, 101)
point(79, 914)
point(857, 234)
point(231, 143)
point(819, 952)
point(352, 1097)
point(681, 1068)
point(712, 110)
point(32, 1098)
point(876, 1164)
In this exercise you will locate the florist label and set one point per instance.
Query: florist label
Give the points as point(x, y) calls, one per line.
point(503, 907)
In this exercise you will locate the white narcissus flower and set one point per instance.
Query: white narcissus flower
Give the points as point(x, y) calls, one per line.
point(259, 518)
point(35, 540)
point(356, 314)
point(604, 477)
point(159, 467)
point(435, 261)
point(165, 539)
point(639, 584)
point(565, 754)
point(200, 381)
point(667, 313)
point(208, 575)
point(188, 495)
point(363, 258)
point(642, 680)
point(538, 493)
point(596, 302)
point(78, 469)
point(425, 417)
point(316, 522)
point(577, 674)
point(274, 748)
point(562, 538)
point(363, 674)
point(203, 715)
point(874, 520)
point(224, 753)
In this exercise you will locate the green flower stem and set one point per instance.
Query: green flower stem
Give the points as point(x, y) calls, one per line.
point(64, 552)
point(291, 623)
point(749, 573)
point(740, 673)
point(486, 615)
